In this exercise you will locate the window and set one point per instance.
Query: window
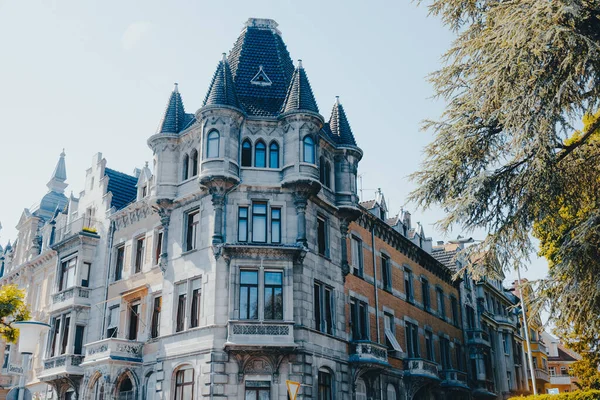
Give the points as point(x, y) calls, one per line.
point(386, 273)
point(325, 389)
point(412, 339)
point(426, 294)
point(6, 356)
point(260, 155)
point(144, 191)
point(55, 334)
point(275, 225)
point(323, 308)
point(454, 307)
point(243, 224)
point(390, 333)
point(359, 319)
point(309, 150)
point(185, 167)
point(324, 172)
point(273, 155)
point(248, 294)
point(159, 240)
point(391, 392)
point(119, 263)
point(273, 295)
point(441, 306)
point(85, 275)
point(192, 221)
point(258, 390)
point(78, 344)
point(563, 370)
point(445, 353)
point(126, 389)
point(184, 384)
point(212, 147)
point(155, 323)
point(357, 256)
point(113, 322)
point(459, 356)
point(181, 303)
point(552, 371)
point(195, 312)
point(65, 334)
point(67, 274)
point(322, 239)
point(361, 390)
point(134, 318)
point(408, 285)
point(470, 317)
point(429, 353)
point(246, 153)
point(194, 161)
point(509, 379)
point(506, 343)
point(139, 254)
point(259, 222)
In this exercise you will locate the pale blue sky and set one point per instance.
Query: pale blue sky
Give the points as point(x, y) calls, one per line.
point(96, 76)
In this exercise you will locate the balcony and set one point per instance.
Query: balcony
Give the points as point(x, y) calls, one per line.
point(72, 297)
point(561, 379)
point(453, 378)
point(422, 368)
point(260, 334)
point(83, 225)
point(365, 351)
point(65, 364)
point(113, 349)
point(542, 375)
point(478, 337)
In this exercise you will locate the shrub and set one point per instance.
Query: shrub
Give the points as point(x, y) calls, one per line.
point(577, 395)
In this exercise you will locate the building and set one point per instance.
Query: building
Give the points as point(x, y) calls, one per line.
point(560, 360)
point(491, 326)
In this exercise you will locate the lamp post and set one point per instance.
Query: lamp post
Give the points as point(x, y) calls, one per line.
point(527, 340)
point(29, 337)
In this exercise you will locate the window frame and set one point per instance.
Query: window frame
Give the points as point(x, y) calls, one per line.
point(155, 318)
point(191, 229)
point(180, 306)
point(180, 386)
point(441, 303)
point(426, 294)
point(323, 310)
point(358, 264)
point(324, 385)
point(273, 287)
point(275, 222)
point(140, 248)
point(308, 143)
point(249, 287)
point(262, 158)
point(323, 247)
point(119, 262)
point(411, 334)
point(257, 219)
point(386, 272)
point(246, 153)
point(133, 319)
point(245, 220)
point(195, 302)
point(409, 290)
point(213, 139)
point(274, 151)
point(185, 167)
point(68, 266)
point(359, 317)
point(194, 163)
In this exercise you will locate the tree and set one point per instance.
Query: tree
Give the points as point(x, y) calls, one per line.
point(517, 78)
point(12, 308)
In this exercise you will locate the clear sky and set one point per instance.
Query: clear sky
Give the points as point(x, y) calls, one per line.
point(96, 76)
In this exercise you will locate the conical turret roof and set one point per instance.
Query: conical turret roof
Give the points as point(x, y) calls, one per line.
point(222, 88)
point(339, 125)
point(59, 176)
point(175, 119)
point(299, 95)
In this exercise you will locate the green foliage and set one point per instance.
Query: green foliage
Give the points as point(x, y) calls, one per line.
point(12, 308)
point(577, 395)
point(518, 76)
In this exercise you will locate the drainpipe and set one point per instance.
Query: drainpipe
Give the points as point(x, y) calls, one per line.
point(111, 233)
point(529, 356)
point(375, 282)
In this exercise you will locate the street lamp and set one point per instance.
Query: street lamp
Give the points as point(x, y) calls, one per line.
point(29, 337)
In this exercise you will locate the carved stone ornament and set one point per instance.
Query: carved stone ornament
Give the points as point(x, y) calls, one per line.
point(294, 253)
point(264, 361)
point(130, 215)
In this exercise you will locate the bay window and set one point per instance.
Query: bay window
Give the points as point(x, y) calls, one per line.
point(67, 273)
point(261, 295)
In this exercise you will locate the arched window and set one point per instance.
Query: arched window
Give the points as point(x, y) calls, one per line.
point(260, 155)
point(194, 161)
point(274, 155)
point(185, 167)
point(309, 150)
point(97, 391)
point(212, 147)
point(184, 383)
point(361, 390)
point(325, 172)
point(246, 153)
point(391, 392)
point(325, 386)
point(125, 388)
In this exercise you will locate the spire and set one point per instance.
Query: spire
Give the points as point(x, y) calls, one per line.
point(175, 119)
point(299, 94)
point(59, 176)
point(222, 89)
point(339, 125)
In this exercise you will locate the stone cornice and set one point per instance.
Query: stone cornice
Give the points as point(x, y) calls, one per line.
point(294, 253)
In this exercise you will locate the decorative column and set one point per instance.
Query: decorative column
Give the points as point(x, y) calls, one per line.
point(300, 201)
point(344, 224)
point(163, 209)
point(218, 201)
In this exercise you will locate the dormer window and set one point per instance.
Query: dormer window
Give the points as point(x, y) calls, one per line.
point(261, 78)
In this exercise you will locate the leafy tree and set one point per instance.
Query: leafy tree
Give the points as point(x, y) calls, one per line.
point(517, 78)
point(12, 308)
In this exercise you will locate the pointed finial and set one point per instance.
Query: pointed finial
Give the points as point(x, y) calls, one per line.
point(146, 164)
point(176, 88)
point(300, 63)
point(337, 100)
point(63, 153)
point(224, 57)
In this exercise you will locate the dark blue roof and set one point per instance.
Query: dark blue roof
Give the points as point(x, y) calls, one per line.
point(175, 119)
point(122, 187)
point(222, 88)
point(50, 202)
point(261, 45)
point(339, 125)
point(300, 95)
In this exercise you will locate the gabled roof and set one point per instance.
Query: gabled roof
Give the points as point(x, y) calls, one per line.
point(368, 204)
point(339, 125)
point(222, 88)
point(260, 47)
point(300, 95)
point(175, 119)
point(122, 187)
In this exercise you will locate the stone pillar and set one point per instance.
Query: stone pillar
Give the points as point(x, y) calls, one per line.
point(344, 246)
point(218, 201)
point(300, 201)
point(165, 219)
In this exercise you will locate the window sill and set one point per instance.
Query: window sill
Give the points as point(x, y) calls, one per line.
point(185, 253)
point(261, 169)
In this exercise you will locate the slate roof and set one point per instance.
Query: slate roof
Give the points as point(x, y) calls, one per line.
point(175, 119)
point(60, 172)
point(50, 202)
point(122, 187)
point(446, 257)
point(300, 95)
point(222, 88)
point(260, 45)
point(339, 125)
